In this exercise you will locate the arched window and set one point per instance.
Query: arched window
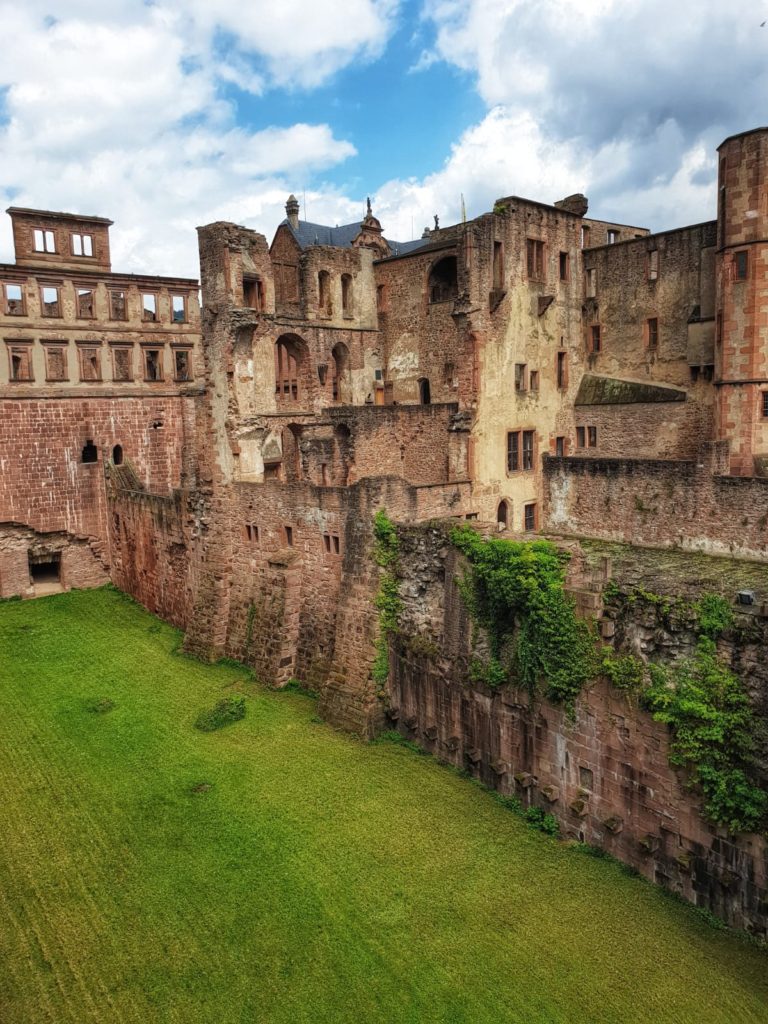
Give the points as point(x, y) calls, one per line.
point(324, 291)
point(443, 280)
point(340, 372)
point(290, 365)
point(424, 395)
point(117, 455)
point(90, 452)
point(346, 293)
point(502, 515)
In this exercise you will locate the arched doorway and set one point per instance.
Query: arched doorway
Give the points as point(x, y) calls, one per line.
point(502, 515)
point(117, 455)
point(340, 377)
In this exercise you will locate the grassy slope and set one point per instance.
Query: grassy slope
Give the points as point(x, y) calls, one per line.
point(318, 880)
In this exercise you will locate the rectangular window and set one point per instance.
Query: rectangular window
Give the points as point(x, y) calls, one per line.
point(117, 309)
point(596, 341)
point(44, 241)
point(49, 300)
point(564, 266)
point(529, 517)
point(288, 535)
point(584, 236)
point(581, 437)
point(122, 364)
point(90, 363)
point(381, 298)
point(513, 451)
point(528, 446)
point(765, 403)
point(591, 283)
point(560, 447)
point(181, 358)
point(56, 362)
point(653, 333)
point(252, 533)
point(149, 307)
point(741, 260)
point(178, 309)
point(653, 265)
point(273, 470)
point(562, 370)
point(520, 376)
point(535, 259)
point(20, 362)
point(592, 437)
point(498, 267)
point(14, 300)
point(253, 293)
point(533, 380)
point(719, 328)
point(613, 236)
point(153, 364)
point(82, 245)
point(331, 543)
point(85, 303)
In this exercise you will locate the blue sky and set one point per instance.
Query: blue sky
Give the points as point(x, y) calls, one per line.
point(167, 114)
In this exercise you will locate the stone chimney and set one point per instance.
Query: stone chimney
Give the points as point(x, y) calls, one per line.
point(292, 211)
point(577, 204)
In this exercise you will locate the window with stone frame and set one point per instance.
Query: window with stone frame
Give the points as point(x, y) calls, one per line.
point(182, 358)
point(85, 297)
point(596, 339)
point(82, 245)
point(44, 241)
point(13, 300)
point(764, 398)
point(653, 264)
point(652, 333)
point(178, 309)
point(153, 364)
point(90, 362)
point(565, 266)
point(20, 362)
point(592, 283)
point(560, 447)
point(562, 370)
point(252, 534)
point(592, 437)
point(117, 304)
point(149, 307)
point(534, 255)
point(581, 437)
point(346, 294)
point(529, 517)
point(56, 363)
point(50, 303)
point(122, 363)
point(741, 264)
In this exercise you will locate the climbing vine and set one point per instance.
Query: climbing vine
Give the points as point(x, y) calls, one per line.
point(386, 553)
point(514, 592)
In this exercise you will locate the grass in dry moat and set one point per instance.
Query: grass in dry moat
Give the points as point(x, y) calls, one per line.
point(279, 871)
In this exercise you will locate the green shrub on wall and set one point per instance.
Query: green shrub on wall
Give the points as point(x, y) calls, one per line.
point(386, 553)
point(514, 591)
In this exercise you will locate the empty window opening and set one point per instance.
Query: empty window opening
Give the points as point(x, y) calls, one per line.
point(181, 364)
point(252, 533)
point(50, 300)
point(153, 367)
point(117, 455)
point(513, 451)
point(331, 543)
point(741, 260)
point(121, 364)
point(253, 292)
point(157, 424)
point(14, 300)
point(273, 471)
point(592, 437)
point(564, 266)
point(528, 447)
point(581, 437)
point(534, 254)
point(178, 309)
point(498, 266)
point(596, 338)
point(340, 373)
point(591, 283)
point(20, 362)
point(82, 245)
point(424, 392)
point(613, 236)
point(90, 452)
point(324, 291)
point(44, 568)
point(719, 328)
point(85, 303)
point(533, 380)
point(286, 371)
point(560, 447)
point(56, 363)
point(529, 516)
point(584, 236)
point(117, 305)
point(44, 241)
point(346, 294)
point(653, 333)
point(381, 298)
point(149, 307)
point(323, 474)
point(443, 280)
point(90, 363)
point(764, 397)
point(288, 530)
point(502, 515)
point(562, 370)
point(585, 778)
point(521, 374)
point(653, 265)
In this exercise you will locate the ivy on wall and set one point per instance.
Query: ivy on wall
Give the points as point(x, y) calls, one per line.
point(386, 552)
point(514, 591)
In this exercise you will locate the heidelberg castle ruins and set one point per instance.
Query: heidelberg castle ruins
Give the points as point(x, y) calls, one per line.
point(218, 449)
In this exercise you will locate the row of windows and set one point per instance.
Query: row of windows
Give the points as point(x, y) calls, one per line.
point(90, 362)
point(324, 300)
point(254, 536)
point(14, 303)
point(650, 336)
point(536, 263)
point(504, 513)
point(521, 446)
point(79, 244)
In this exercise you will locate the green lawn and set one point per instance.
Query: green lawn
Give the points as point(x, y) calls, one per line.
point(318, 879)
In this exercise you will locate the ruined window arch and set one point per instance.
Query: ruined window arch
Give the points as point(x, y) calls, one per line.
point(117, 455)
point(443, 280)
point(324, 291)
point(425, 396)
point(502, 515)
point(90, 452)
point(346, 293)
point(340, 372)
point(291, 368)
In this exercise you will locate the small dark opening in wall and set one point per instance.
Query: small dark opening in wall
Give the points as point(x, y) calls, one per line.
point(90, 452)
point(289, 536)
point(117, 455)
point(424, 391)
point(45, 568)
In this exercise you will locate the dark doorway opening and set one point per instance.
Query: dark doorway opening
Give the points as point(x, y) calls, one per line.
point(424, 393)
point(117, 455)
point(90, 452)
point(45, 571)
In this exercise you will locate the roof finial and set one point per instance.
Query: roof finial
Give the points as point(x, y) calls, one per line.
point(369, 211)
point(437, 223)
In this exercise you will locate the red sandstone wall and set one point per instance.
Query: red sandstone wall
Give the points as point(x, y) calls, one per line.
point(650, 430)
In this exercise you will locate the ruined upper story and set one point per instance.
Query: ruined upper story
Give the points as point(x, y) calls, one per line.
point(69, 324)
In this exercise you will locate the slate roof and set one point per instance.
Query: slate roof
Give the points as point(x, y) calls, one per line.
point(342, 236)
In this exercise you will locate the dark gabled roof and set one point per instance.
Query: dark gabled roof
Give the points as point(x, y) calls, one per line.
point(341, 236)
